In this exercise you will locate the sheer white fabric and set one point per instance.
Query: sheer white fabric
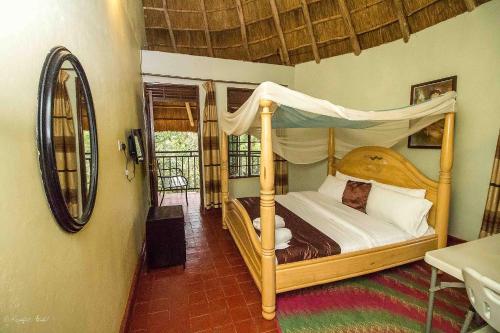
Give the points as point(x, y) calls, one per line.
point(309, 145)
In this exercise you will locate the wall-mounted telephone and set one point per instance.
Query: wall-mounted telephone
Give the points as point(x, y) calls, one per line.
point(135, 146)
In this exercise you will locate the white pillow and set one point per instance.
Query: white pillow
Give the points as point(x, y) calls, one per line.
point(413, 192)
point(345, 177)
point(407, 212)
point(333, 187)
point(417, 193)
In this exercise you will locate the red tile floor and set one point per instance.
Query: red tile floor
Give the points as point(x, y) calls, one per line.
point(215, 293)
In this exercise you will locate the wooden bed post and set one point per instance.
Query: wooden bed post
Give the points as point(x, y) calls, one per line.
point(331, 152)
point(224, 175)
point(444, 184)
point(267, 213)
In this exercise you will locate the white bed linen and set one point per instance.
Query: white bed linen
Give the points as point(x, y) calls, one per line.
point(350, 228)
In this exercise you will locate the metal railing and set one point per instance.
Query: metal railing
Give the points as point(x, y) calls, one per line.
point(187, 161)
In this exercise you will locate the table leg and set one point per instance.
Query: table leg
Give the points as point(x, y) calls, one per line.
point(430, 306)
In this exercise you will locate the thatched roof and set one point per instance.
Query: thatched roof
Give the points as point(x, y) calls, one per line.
point(288, 31)
point(175, 107)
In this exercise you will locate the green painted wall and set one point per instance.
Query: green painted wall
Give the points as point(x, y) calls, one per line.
point(50, 280)
point(467, 46)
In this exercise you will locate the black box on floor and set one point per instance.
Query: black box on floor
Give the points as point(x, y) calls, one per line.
point(165, 237)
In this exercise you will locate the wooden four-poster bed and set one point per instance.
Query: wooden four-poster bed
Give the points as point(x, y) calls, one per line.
point(375, 163)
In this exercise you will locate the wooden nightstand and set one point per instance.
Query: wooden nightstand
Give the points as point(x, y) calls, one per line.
point(165, 237)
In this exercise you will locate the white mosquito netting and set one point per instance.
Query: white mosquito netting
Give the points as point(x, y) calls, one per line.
point(307, 120)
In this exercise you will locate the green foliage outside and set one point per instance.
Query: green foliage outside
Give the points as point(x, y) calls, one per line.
point(186, 157)
point(176, 141)
point(242, 162)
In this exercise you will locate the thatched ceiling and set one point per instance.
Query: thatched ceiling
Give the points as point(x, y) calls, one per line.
point(288, 31)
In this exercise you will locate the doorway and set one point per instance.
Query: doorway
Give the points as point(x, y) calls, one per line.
point(174, 149)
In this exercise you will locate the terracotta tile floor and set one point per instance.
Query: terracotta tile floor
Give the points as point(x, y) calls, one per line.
point(215, 293)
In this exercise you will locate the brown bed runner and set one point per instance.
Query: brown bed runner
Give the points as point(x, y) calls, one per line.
point(307, 241)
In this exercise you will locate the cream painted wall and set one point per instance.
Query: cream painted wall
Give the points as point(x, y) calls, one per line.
point(52, 281)
point(216, 69)
point(467, 46)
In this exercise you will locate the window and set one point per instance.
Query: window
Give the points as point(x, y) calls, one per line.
point(244, 150)
point(244, 156)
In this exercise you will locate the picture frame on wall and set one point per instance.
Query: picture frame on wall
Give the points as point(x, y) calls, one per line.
point(431, 136)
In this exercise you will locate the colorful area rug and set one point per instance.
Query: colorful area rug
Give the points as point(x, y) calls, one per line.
point(394, 300)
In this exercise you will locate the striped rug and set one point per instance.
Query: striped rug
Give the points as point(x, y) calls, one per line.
point(394, 300)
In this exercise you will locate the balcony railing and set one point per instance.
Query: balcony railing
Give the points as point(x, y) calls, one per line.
point(187, 161)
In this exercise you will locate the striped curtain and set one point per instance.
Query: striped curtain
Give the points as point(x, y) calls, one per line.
point(63, 131)
point(280, 175)
point(491, 218)
point(211, 151)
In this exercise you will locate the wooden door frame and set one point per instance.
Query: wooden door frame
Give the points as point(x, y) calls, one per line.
point(150, 143)
point(200, 150)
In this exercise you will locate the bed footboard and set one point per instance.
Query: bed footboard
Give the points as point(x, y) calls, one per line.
point(317, 271)
point(241, 229)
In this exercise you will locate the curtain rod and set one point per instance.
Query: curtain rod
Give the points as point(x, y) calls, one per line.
point(201, 79)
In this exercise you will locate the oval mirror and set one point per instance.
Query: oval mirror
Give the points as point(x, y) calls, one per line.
point(67, 139)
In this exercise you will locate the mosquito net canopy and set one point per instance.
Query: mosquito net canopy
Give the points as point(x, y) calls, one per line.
point(306, 120)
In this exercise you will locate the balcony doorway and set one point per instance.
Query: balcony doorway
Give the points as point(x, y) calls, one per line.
point(178, 158)
point(172, 115)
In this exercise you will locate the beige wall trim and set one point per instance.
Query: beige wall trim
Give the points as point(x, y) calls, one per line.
point(201, 79)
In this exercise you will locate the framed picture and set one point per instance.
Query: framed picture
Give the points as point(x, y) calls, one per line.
point(431, 136)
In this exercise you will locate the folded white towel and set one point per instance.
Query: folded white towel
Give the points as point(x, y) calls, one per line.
point(282, 246)
point(278, 222)
point(282, 236)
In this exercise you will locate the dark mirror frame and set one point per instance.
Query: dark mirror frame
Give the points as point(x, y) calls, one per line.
point(46, 154)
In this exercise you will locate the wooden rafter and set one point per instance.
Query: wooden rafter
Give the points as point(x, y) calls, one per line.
point(350, 27)
point(403, 22)
point(207, 32)
point(305, 11)
point(169, 25)
point(243, 28)
point(189, 113)
point(248, 21)
point(153, 8)
point(280, 54)
point(279, 30)
point(470, 4)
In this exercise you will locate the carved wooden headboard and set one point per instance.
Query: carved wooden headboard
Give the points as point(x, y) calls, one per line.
point(387, 166)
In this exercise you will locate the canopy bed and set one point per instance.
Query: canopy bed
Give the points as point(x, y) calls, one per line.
point(361, 141)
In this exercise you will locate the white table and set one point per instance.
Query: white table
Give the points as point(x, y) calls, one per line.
point(482, 255)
